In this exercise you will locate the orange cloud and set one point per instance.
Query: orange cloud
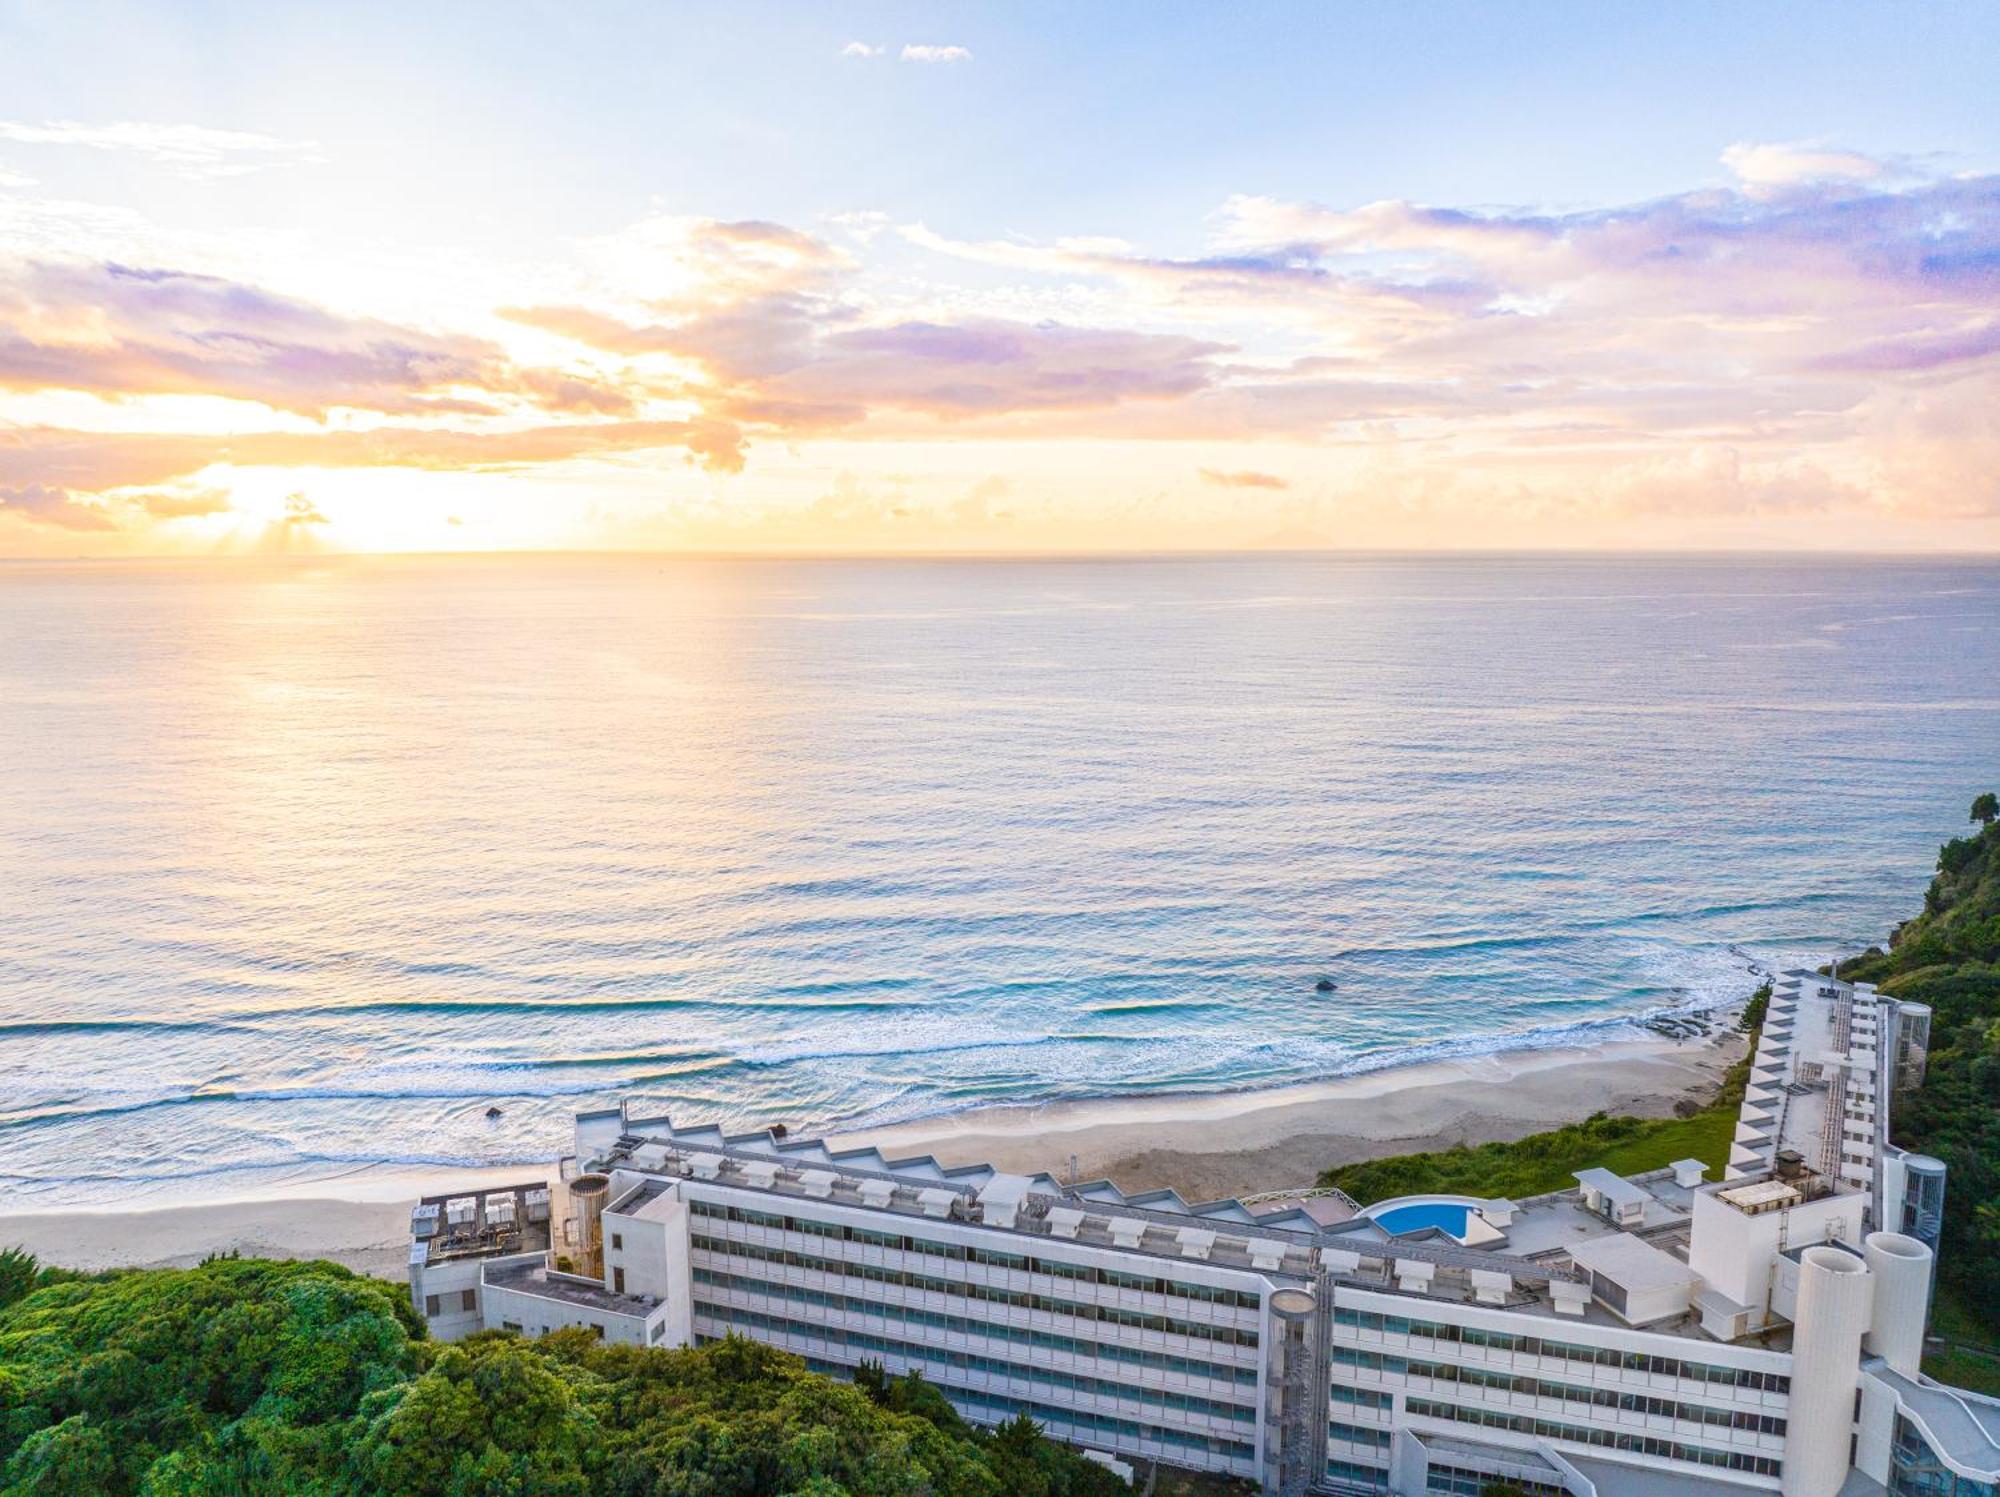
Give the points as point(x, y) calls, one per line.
point(1244, 479)
point(117, 330)
point(43, 469)
point(43, 505)
point(1819, 337)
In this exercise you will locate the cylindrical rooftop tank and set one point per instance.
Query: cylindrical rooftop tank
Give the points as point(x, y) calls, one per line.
point(1292, 1304)
point(1902, 1270)
point(1836, 1300)
point(589, 1195)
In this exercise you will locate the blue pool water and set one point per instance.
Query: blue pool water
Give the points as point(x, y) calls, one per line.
point(1405, 1220)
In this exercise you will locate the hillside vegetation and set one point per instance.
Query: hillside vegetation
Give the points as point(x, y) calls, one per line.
point(258, 1379)
point(1543, 1162)
point(1949, 957)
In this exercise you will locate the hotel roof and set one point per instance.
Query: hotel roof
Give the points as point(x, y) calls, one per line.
point(1551, 1242)
point(1614, 1188)
point(1549, 1238)
point(1631, 1263)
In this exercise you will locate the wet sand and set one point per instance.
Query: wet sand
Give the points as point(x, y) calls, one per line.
point(1205, 1146)
point(1240, 1144)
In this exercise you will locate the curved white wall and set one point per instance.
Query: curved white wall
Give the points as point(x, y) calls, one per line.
point(1836, 1302)
point(1901, 1268)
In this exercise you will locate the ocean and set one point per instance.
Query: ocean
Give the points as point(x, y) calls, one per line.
point(307, 865)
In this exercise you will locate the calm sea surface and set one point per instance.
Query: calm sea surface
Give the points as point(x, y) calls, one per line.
point(306, 866)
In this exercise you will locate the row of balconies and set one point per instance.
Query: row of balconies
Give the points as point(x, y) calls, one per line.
point(1594, 1375)
point(1019, 1280)
point(951, 1380)
point(1226, 1389)
point(987, 1309)
point(1138, 1337)
point(1572, 1411)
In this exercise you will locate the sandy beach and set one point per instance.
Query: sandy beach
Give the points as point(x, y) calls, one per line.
point(1242, 1143)
point(1206, 1146)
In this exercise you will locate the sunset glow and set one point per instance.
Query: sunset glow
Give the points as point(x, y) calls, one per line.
point(835, 279)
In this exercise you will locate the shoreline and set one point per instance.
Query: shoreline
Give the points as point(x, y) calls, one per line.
point(1242, 1143)
point(1205, 1145)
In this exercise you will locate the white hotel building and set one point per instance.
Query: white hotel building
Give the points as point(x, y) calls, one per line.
point(1657, 1335)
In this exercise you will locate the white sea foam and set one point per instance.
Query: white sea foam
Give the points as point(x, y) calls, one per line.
point(660, 836)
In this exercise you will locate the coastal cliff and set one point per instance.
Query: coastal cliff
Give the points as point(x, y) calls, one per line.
point(1949, 957)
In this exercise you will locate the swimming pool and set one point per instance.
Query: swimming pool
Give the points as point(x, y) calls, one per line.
point(1447, 1216)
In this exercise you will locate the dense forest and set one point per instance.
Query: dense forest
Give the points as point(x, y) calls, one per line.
point(1949, 957)
point(256, 1379)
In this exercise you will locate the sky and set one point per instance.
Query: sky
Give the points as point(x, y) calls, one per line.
point(997, 278)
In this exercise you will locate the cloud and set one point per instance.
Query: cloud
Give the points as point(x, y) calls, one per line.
point(1244, 479)
point(984, 366)
point(865, 225)
point(94, 462)
point(1787, 165)
point(191, 151)
point(778, 342)
point(117, 330)
point(1809, 339)
point(1919, 350)
point(51, 506)
point(793, 361)
point(860, 49)
point(670, 261)
point(1570, 356)
point(923, 52)
point(299, 510)
point(170, 505)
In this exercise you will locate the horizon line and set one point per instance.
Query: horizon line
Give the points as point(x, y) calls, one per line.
point(1219, 553)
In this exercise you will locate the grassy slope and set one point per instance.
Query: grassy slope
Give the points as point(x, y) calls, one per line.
point(1967, 1358)
point(1543, 1162)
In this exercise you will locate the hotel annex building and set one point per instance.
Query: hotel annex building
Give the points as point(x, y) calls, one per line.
point(1664, 1334)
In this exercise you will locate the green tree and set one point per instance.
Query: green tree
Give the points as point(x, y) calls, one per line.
point(1985, 808)
point(1752, 1018)
point(18, 1271)
point(60, 1460)
point(254, 1379)
point(488, 1417)
point(1949, 957)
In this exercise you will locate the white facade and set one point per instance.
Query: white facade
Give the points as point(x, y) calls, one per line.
point(1648, 1335)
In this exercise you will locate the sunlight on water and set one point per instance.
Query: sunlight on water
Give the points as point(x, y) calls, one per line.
point(310, 865)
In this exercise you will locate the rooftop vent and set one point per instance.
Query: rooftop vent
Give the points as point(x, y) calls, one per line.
point(1195, 1242)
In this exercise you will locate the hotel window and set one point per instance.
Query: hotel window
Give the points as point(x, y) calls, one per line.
point(1916, 1471)
point(618, 1279)
point(431, 1306)
point(468, 1299)
point(617, 1242)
